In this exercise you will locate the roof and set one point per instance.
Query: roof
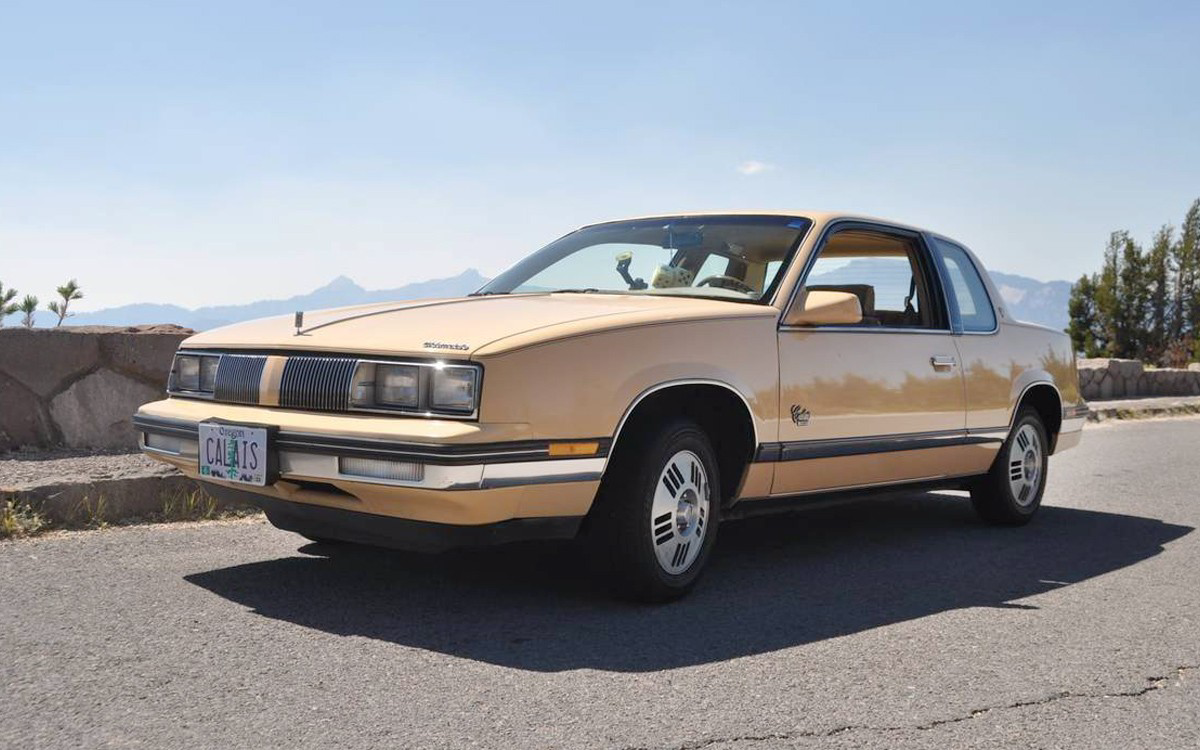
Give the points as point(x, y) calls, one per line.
point(819, 217)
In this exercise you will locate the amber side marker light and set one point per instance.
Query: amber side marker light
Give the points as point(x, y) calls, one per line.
point(574, 449)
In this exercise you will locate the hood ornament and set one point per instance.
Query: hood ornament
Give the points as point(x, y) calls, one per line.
point(299, 321)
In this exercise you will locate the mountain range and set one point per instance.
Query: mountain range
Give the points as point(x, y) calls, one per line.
point(1027, 299)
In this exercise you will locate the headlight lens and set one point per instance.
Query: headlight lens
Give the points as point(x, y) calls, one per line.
point(187, 373)
point(454, 388)
point(208, 373)
point(396, 385)
point(195, 372)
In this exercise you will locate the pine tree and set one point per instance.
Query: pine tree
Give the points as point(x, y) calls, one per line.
point(1135, 297)
point(28, 307)
point(1187, 254)
point(6, 303)
point(1107, 296)
point(1086, 332)
point(1158, 291)
point(68, 291)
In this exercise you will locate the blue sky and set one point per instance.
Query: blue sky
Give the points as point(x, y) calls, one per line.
point(221, 152)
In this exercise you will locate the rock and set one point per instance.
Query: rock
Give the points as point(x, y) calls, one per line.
point(44, 360)
point(142, 355)
point(95, 412)
point(21, 420)
point(1194, 367)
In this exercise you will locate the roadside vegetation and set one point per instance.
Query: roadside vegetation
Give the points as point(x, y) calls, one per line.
point(1143, 303)
point(20, 518)
point(28, 307)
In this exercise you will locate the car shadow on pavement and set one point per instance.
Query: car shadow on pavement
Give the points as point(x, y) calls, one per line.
point(773, 582)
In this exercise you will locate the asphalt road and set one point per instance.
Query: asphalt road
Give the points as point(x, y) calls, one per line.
point(883, 624)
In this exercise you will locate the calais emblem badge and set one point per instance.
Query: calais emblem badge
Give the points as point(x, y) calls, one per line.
point(800, 415)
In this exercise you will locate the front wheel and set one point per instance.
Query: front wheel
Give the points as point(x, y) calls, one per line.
point(1011, 492)
point(657, 514)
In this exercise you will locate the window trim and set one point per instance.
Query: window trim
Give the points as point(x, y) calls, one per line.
point(948, 286)
point(931, 267)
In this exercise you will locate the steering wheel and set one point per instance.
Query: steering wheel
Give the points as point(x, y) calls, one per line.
point(726, 282)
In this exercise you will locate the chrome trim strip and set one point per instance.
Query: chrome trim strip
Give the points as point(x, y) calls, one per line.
point(869, 329)
point(900, 485)
point(801, 450)
point(685, 381)
point(541, 472)
point(1012, 419)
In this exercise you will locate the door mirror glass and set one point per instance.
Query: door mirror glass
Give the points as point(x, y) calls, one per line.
point(823, 308)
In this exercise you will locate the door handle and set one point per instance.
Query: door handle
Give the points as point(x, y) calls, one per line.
point(943, 362)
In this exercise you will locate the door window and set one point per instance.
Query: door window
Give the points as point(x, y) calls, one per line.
point(884, 271)
point(974, 306)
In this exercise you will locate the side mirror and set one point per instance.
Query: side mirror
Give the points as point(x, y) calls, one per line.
point(821, 308)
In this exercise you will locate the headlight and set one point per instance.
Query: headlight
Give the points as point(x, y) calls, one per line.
point(388, 386)
point(454, 388)
point(194, 372)
point(427, 389)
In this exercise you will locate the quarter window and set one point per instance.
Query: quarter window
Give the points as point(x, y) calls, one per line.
point(974, 306)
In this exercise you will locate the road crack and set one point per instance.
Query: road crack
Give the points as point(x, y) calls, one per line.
point(1153, 684)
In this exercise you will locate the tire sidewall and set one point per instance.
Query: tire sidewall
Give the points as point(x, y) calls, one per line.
point(1000, 477)
point(677, 436)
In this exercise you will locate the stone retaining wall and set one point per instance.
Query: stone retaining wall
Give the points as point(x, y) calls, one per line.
point(77, 387)
point(1128, 378)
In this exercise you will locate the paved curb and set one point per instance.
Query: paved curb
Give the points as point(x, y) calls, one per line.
point(1098, 411)
point(75, 505)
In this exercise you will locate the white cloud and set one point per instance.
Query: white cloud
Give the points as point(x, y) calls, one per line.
point(753, 167)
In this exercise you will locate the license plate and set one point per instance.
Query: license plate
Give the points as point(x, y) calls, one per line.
point(233, 453)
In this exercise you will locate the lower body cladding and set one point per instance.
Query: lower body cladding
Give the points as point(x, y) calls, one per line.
point(412, 496)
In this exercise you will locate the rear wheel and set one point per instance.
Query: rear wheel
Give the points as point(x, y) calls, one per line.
point(657, 514)
point(1011, 492)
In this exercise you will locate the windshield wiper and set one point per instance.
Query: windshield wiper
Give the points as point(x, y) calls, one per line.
point(484, 294)
point(585, 290)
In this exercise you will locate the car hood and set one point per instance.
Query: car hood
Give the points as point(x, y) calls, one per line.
point(464, 327)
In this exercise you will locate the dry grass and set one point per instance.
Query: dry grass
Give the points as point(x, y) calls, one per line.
point(182, 505)
point(18, 519)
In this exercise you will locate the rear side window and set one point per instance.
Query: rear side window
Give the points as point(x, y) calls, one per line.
point(974, 305)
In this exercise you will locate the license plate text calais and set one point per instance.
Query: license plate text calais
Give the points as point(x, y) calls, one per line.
point(233, 453)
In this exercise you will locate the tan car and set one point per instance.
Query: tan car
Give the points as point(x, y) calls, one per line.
point(634, 383)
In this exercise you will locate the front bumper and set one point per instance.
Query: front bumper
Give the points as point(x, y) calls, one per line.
point(464, 484)
point(319, 522)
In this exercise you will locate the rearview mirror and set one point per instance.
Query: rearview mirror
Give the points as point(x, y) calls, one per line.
point(822, 308)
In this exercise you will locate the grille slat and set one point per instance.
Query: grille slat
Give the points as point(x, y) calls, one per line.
point(320, 383)
point(238, 378)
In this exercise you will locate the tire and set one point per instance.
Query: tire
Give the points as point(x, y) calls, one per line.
point(1011, 492)
point(656, 516)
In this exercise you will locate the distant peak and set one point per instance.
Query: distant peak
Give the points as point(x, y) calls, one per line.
point(341, 283)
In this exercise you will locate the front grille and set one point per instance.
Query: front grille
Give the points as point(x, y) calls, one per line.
point(317, 383)
point(238, 377)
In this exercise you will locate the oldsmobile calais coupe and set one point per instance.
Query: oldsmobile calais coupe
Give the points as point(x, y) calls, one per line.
point(634, 383)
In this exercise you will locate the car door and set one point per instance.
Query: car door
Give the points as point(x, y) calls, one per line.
point(874, 402)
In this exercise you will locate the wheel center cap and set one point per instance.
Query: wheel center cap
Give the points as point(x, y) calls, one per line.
point(1030, 464)
point(687, 510)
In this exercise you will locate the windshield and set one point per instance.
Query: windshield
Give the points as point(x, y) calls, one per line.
point(725, 257)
